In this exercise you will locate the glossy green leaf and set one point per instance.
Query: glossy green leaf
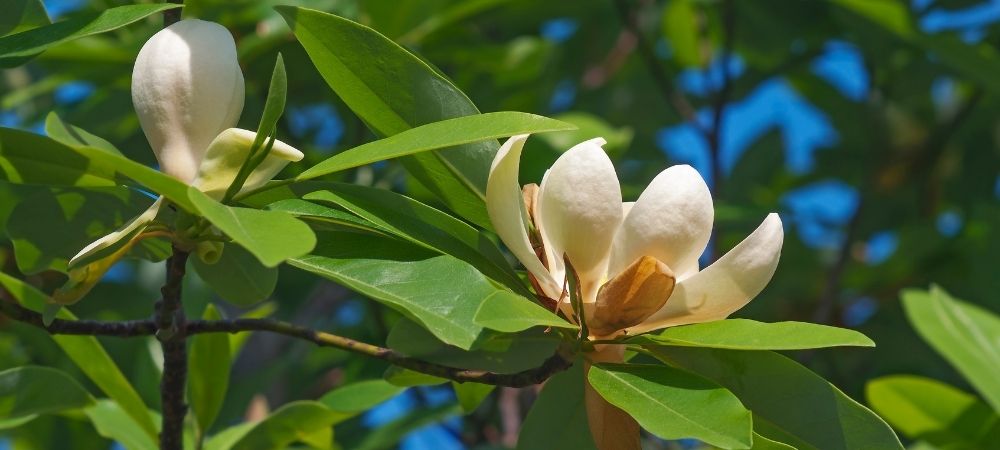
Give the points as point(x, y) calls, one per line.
point(272, 236)
point(405, 377)
point(557, 419)
point(286, 424)
point(238, 277)
point(471, 395)
point(21, 15)
point(49, 227)
point(439, 291)
point(274, 106)
point(743, 334)
point(73, 136)
point(89, 355)
point(790, 404)
point(27, 158)
point(31, 390)
point(963, 334)
point(510, 313)
point(495, 352)
point(929, 410)
point(330, 217)
point(209, 363)
point(437, 135)
point(114, 423)
point(423, 226)
point(392, 90)
point(763, 443)
point(674, 404)
point(680, 27)
point(359, 397)
point(16, 48)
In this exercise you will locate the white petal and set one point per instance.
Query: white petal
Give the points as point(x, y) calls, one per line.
point(187, 87)
point(505, 205)
point(117, 239)
point(725, 286)
point(225, 156)
point(579, 210)
point(671, 221)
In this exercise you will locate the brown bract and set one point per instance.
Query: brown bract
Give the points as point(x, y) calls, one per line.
point(631, 297)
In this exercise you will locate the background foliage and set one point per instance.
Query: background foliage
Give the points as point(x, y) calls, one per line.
point(869, 125)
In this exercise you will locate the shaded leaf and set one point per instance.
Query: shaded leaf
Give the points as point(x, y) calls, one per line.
point(209, 366)
point(238, 277)
point(743, 334)
point(29, 391)
point(674, 404)
point(287, 425)
point(558, 418)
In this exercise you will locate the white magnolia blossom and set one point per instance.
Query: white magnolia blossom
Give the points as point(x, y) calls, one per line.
point(637, 262)
point(187, 88)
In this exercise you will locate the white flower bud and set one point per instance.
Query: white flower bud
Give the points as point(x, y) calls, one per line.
point(187, 87)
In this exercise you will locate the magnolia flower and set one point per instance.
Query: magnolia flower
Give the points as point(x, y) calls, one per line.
point(187, 88)
point(637, 262)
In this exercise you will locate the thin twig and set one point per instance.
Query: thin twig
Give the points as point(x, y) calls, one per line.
point(172, 16)
point(554, 364)
point(558, 362)
point(170, 330)
point(674, 97)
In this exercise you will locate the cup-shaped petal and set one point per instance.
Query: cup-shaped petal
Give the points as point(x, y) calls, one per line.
point(726, 285)
point(186, 87)
point(631, 297)
point(671, 221)
point(579, 211)
point(227, 153)
point(505, 205)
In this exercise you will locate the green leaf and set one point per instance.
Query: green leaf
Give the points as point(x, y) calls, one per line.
point(928, 410)
point(510, 313)
point(331, 218)
point(68, 134)
point(680, 27)
point(272, 236)
point(17, 48)
point(440, 292)
point(286, 425)
point(790, 404)
point(589, 126)
point(154, 180)
point(743, 334)
point(21, 15)
point(423, 226)
point(274, 106)
point(50, 226)
point(437, 135)
point(674, 404)
point(356, 398)
point(495, 352)
point(238, 277)
point(558, 418)
point(763, 443)
point(27, 158)
point(208, 381)
point(89, 355)
point(394, 92)
point(112, 422)
point(471, 395)
point(963, 334)
point(29, 391)
point(405, 377)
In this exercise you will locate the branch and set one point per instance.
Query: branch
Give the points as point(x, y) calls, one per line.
point(677, 101)
point(560, 361)
point(554, 364)
point(170, 330)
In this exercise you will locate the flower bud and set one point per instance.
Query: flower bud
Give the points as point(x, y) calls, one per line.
point(186, 87)
point(226, 155)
